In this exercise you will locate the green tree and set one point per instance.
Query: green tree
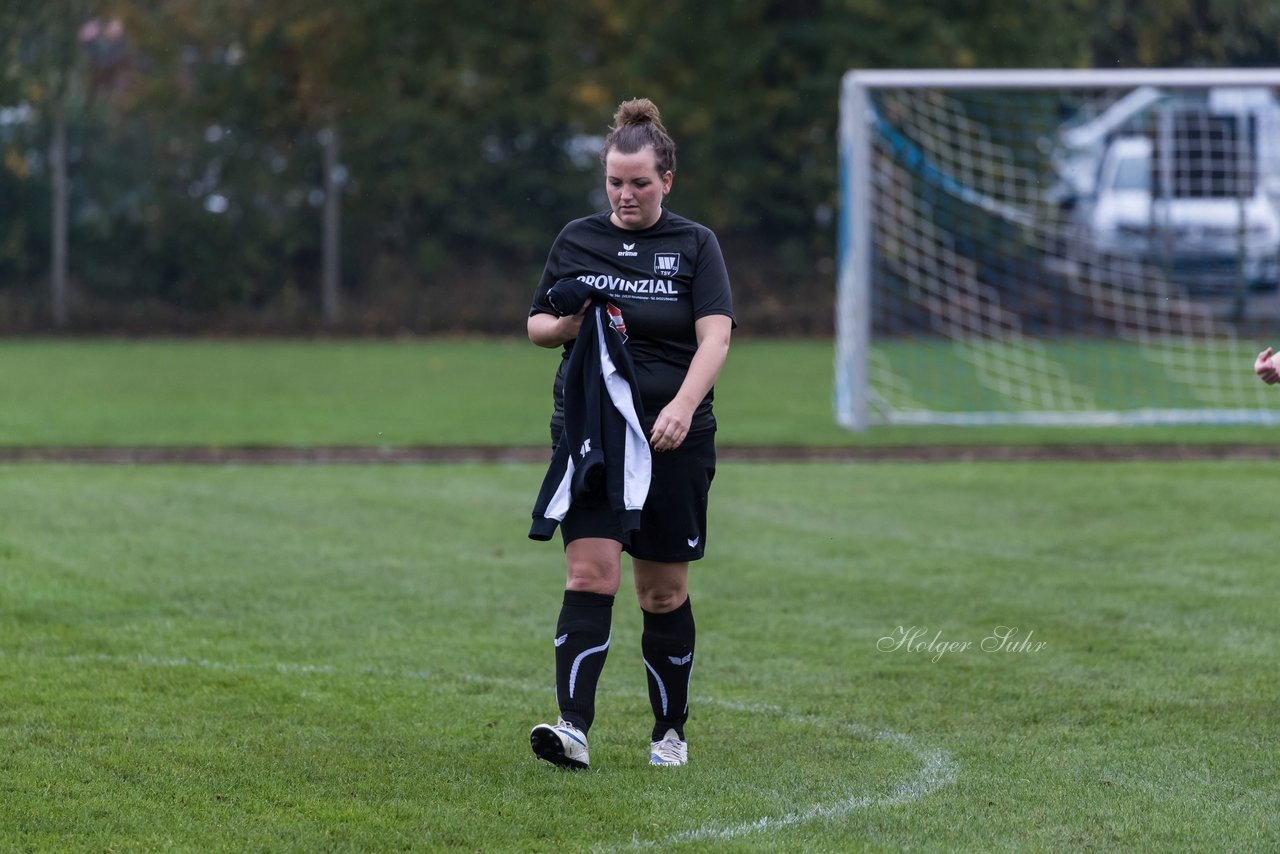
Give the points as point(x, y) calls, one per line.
point(272, 82)
point(454, 131)
point(44, 62)
point(751, 89)
point(1186, 33)
point(209, 172)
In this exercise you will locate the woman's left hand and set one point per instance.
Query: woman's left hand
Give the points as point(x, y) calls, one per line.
point(671, 427)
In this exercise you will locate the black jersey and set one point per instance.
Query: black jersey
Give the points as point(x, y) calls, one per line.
point(657, 281)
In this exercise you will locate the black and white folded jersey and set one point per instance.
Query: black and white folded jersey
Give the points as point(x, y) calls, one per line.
point(602, 453)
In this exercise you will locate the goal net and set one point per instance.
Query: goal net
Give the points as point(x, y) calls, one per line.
point(1057, 247)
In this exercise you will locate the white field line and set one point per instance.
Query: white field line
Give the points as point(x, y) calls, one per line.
point(937, 767)
point(937, 770)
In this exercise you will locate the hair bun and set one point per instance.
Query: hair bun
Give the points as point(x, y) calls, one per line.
point(637, 125)
point(638, 111)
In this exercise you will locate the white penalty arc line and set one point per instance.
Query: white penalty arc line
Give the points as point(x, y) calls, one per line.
point(937, 770)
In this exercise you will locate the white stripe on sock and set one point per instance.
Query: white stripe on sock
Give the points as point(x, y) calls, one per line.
point(573, 672)
point(688, 683)
point(662, 689)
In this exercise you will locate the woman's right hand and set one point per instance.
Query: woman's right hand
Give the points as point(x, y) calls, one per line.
point(570, 324)
point(547, 330)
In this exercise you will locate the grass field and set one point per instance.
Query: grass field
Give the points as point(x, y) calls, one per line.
point(437, 392)
point(1072, 374)
point(349, 658)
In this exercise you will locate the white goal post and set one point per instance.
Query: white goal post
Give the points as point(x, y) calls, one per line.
point(1057, 247)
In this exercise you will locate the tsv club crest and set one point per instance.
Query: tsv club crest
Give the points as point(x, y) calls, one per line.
point(666, 263)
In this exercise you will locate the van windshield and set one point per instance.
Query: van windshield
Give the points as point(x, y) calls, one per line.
point(1133, 173)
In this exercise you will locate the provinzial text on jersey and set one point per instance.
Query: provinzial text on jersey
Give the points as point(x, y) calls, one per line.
point(638, 286)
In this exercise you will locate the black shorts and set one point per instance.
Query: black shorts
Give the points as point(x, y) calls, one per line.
point(673, 524)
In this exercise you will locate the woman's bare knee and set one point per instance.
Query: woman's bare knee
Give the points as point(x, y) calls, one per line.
point(593, 565)
point(661, 587)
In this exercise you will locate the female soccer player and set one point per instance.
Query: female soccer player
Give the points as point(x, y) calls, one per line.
point(664, 282)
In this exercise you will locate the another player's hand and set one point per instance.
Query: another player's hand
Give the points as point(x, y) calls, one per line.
point(671, 427)
point(1265, 368)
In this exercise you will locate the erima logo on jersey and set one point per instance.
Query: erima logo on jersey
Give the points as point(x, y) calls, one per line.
point(560, 640)
point(586, 448)
point(679, 661)
point(628, 251)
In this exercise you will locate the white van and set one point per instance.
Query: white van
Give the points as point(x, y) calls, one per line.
point(1196, 240)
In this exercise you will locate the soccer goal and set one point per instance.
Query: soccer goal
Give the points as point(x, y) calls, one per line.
point(1057, 247)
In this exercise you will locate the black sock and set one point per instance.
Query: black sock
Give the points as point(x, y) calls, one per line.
point(582, 643)
point(667, 645)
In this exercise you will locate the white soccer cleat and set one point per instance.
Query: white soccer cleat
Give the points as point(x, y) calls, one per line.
point(563, 744)
point(672, 750)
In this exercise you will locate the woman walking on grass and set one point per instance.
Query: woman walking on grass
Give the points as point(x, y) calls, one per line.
point(660, 283)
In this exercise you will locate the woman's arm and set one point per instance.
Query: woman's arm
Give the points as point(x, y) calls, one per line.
point(672, 425)
point(547, 330)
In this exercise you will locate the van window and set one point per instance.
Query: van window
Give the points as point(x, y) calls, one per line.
point(1132, 173)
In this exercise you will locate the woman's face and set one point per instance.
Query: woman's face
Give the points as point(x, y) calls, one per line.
point(635, 188)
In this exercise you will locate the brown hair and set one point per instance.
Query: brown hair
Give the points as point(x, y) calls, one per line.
point(637, 124)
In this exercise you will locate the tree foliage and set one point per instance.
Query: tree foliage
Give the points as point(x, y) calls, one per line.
point(1188, 33)
point(468, 137)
